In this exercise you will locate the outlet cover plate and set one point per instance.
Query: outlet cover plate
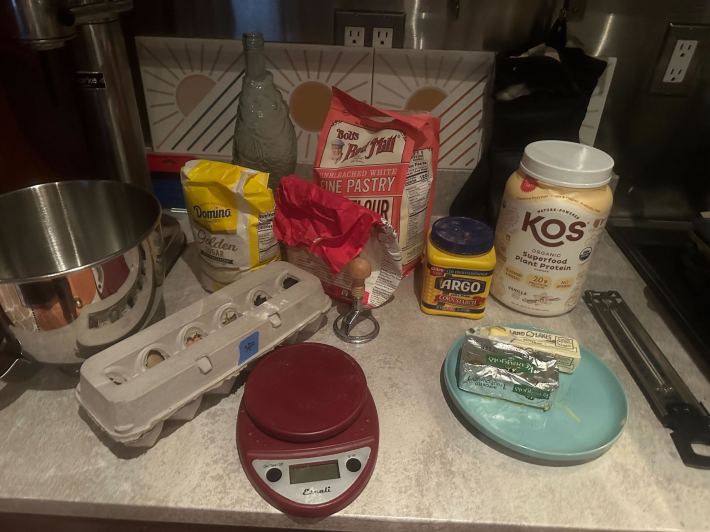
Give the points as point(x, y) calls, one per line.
point(680, 61)
point(675, 33)
point(369, 20)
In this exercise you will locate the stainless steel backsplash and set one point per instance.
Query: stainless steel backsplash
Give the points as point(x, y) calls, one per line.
point(659, 142)
point(656, 140)
point(433, 24)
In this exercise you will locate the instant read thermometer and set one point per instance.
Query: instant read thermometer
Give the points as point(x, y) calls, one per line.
point(307, 429)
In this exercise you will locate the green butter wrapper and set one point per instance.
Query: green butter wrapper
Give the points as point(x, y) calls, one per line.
point(498, 369)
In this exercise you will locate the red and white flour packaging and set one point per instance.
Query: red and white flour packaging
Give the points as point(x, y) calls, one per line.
point(385, 161)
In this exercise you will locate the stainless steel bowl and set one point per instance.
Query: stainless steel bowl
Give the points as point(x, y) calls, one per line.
point(81, 266)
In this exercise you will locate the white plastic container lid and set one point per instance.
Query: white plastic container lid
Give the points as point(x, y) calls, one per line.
point(567, 164)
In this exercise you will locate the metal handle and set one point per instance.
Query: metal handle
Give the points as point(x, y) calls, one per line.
point(11, 360)
point(689, 428)
point(673, 403)
point(647, 363)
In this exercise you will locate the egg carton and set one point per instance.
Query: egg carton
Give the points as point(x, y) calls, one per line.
point(162, 372)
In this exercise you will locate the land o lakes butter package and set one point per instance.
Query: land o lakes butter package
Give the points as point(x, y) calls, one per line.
point(231, 212)
point(565, 349)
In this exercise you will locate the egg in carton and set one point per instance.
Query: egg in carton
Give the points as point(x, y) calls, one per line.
point(162, 372)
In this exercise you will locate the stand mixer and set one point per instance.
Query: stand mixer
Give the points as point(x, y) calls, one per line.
point(109, 111)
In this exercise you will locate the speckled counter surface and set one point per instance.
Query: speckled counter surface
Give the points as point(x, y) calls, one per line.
point(431, 474)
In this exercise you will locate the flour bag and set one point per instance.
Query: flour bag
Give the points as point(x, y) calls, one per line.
point(385, 161)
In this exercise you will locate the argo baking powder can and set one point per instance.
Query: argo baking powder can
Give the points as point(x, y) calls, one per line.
point(554, 209)
point(459, 264)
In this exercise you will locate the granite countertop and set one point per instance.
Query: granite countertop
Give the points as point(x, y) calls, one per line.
point(431, 473)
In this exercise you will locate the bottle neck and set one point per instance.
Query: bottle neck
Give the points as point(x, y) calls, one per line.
point(254, 56)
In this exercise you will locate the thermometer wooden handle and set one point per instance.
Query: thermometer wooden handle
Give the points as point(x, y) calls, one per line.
point(360, 270)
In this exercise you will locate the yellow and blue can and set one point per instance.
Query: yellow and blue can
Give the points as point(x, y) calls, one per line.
point(460, 259)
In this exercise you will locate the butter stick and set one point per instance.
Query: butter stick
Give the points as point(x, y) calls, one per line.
point(563, 348)
point(491, 367)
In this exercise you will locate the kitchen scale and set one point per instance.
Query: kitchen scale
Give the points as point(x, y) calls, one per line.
point(307, 429)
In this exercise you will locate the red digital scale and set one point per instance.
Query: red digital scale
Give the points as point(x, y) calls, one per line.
point(307, 429)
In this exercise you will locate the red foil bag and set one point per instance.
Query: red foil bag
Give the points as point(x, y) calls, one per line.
point(324, 231)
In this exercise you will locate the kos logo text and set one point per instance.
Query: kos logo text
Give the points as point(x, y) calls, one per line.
point(551, 232)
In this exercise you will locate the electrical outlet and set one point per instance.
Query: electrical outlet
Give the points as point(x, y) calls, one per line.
point(681, 58)
point(382, 37)
point(390, 25)
point(354, 36)
point(680, 61)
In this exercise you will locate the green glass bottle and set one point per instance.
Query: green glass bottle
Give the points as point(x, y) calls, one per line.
point(264, 138)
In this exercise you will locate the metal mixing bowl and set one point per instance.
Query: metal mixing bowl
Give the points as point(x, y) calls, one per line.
point(81, 266)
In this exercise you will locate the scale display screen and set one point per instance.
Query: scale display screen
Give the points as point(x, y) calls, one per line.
point(301, 473)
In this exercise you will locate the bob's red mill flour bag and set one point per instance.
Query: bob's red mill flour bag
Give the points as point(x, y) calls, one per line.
point(383, 160)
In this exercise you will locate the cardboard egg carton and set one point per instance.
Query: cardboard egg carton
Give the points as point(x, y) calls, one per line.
point(130, 389)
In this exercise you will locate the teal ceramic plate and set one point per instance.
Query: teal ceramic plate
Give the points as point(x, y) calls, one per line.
point(588, 415)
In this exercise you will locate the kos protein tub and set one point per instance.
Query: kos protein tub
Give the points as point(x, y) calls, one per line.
point(459, 264)
point(553, 211)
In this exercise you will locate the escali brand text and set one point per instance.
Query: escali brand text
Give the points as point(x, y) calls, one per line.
point(311, 491)
point(551, 232)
